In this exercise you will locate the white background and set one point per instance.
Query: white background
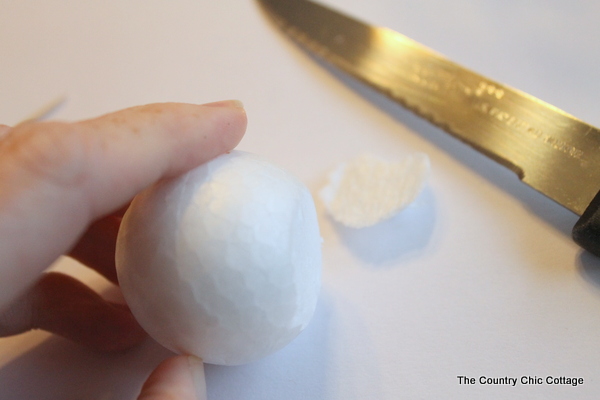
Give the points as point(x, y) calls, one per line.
point(478, 277)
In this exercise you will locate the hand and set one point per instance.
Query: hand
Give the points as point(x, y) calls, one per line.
point(63, 190)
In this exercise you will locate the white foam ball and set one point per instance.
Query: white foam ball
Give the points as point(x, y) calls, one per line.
point(223, 262)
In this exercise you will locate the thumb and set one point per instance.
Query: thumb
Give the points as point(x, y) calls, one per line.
point(176, 378)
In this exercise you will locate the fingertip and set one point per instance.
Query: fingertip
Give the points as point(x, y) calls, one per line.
point(235, 122)
point(176, 136)
point(178, 377)
point(200, 133)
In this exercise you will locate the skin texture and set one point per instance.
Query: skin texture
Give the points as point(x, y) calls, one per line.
point(63, 190)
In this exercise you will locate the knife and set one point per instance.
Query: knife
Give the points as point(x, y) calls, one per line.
point(550, 150)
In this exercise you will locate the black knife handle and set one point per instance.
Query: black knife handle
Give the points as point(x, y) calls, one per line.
point(586, 231)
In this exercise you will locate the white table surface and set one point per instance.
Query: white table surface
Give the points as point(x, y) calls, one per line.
point(479, 277)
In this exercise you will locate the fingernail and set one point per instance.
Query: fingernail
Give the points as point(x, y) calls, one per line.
point(196, 366)
point(226, 103)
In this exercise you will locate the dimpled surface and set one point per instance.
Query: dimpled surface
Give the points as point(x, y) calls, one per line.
point(223, 262)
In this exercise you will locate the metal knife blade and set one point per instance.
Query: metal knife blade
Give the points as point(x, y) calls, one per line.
point(550, 150)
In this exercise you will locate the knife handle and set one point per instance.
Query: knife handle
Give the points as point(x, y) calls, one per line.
point(586, 231)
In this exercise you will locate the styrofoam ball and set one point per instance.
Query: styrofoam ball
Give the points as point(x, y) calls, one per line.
point(223, 262)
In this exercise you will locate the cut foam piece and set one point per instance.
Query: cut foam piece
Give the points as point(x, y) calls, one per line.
point(368, 189)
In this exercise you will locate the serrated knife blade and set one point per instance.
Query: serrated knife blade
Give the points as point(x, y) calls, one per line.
point(550, 150)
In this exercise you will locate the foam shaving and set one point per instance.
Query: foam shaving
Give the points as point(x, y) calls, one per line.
point(368, 189)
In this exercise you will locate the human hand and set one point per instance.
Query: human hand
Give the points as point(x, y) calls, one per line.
point(63, 190)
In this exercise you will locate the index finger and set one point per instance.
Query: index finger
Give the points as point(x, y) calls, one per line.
point(56, 178)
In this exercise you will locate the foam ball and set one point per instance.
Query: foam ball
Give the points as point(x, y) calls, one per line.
point(223, 262)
